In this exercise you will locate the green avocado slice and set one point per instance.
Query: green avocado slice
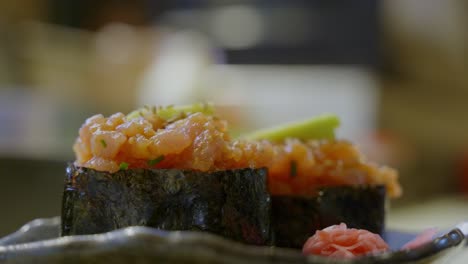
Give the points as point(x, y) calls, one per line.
point(320, 127)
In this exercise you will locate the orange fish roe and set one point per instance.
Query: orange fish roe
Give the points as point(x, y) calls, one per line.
point(201, 142)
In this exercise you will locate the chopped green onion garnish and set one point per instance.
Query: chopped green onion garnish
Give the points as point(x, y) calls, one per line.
point(103, 143)
point(123, 165)
point(170, 112)
point(293, 172)
point(134, 114)
point(156, 160)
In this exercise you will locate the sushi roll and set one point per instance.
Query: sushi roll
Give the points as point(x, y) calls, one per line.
point(317, 181)
point(177, 168)
point(164, 168)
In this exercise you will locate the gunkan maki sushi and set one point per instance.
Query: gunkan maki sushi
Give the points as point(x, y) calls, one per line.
point(168, 168)
point(177, 168)
point(317, 181)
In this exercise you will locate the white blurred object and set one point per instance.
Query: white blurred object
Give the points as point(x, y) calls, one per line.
point(176, 70)
point(272, 94)
point(463, 226)
point(443, 212)
point(116, 43)
point(238, 26)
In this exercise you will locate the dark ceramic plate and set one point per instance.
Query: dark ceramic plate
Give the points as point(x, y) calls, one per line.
point(39, 242)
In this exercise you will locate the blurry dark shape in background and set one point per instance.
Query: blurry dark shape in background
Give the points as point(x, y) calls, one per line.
point(93, 15)
point(29, 189)
point(249, 32)
point(287, 32)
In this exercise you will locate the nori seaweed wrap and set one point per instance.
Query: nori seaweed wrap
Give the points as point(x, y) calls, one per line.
point(232, 203)
point(296, 218)
point(177, 168)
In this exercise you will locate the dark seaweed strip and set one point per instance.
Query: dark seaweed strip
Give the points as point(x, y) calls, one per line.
point(246, 219)
point(234, 204)
point(295, 219)
point(97, 202)
point(358, 207)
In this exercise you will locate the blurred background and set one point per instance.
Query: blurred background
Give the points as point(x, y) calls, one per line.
point(395, 71)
